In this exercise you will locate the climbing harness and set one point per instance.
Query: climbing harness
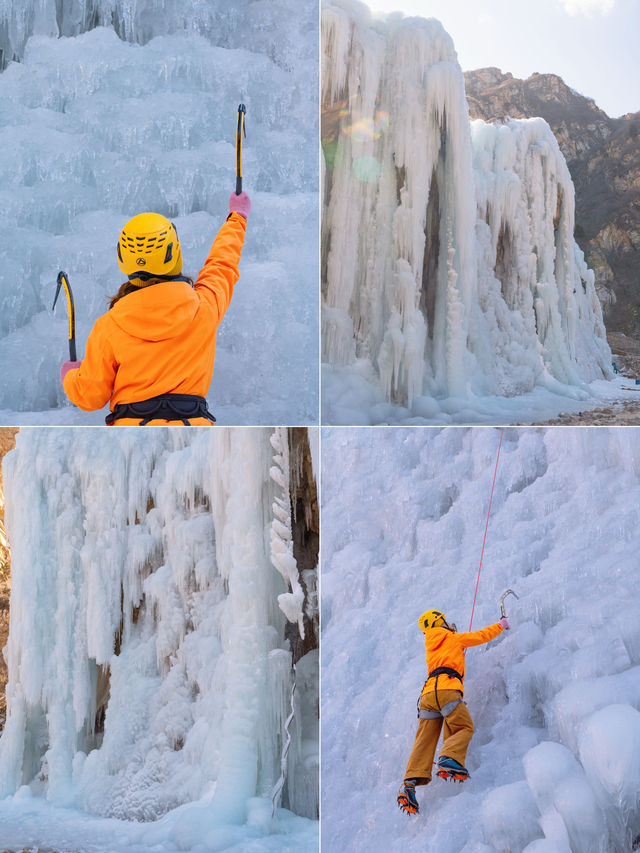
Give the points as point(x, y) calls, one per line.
point(485, 528)
point(63, 281)
point(167, 407)
point(240, 132)
point(445, 670)
point(446, 709)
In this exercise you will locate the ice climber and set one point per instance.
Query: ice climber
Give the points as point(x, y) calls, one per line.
point(151, 355)
point(441, 705)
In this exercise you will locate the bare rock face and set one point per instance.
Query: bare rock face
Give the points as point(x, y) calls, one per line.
point(603, 155)
point(579, 125)
point(626, 354)
point(7, 443)
point(306, 539)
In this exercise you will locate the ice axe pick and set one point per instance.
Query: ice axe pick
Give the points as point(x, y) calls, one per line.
point(63, 281)
point(503, 612)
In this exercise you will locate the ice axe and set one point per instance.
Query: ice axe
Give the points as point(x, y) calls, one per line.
point(503, 612)
point(64, 281)
point(240, 132)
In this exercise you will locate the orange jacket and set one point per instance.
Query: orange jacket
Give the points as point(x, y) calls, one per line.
point(446, 648)
point(160, 339)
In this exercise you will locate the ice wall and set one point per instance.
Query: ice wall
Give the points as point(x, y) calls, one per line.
point(400, 128)
point(555, 701)
point(537, 295)
point(423, 221)
point(275, 29)
point(119, 107)
point(148, 665)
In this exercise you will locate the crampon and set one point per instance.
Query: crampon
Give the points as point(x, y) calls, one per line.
point(407, 799)
point(449, 768)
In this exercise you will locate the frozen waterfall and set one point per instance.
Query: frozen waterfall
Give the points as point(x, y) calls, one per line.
point(118, 107)
point(555, 759)
point(148, 663)
point(449, 268)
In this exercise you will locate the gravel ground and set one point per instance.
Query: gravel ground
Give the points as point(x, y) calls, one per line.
point(626, 357)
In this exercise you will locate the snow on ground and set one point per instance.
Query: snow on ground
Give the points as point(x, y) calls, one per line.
point(351, 395)
point(98, 125)
point(555, 701)
point(149, 674)
point(31, 822)
point(449, 268)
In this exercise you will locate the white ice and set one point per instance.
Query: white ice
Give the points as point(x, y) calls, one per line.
point(99, 124)
point(351, 394)
point(450, 272)
point(555, 701)
point(149, 674)
point(31, 822)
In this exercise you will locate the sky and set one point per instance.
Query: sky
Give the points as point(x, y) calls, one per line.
point(594, 45)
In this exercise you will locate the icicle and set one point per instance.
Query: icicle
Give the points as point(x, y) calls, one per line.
point(277, 789)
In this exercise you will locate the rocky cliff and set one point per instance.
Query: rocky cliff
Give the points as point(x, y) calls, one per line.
point(7, 443)
point(603, 155)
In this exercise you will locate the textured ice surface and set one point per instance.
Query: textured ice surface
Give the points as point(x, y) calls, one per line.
point(32, 823)
point(351, 394)
point(148, 667)
point(98, 125)
point(555, 701)
point(449, 265)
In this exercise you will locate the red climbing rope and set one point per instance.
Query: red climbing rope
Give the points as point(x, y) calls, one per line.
point(486, 528)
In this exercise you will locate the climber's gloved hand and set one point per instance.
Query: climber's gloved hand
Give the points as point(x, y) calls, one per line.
point(504, 623)
point(67, 366)
point(240, 204)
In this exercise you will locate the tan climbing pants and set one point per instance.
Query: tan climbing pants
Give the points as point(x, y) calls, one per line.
point(458, 731)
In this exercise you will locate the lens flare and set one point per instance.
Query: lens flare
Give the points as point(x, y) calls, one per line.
point(367, 169)
point(365, 128)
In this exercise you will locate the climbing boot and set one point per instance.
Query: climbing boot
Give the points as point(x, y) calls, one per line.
point(449, 768)
point(407, 798)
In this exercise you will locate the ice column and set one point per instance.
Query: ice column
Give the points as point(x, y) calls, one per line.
point(148, 663)
point(398, 230)
point(538, 297)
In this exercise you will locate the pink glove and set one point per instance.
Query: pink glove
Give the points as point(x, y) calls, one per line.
point(240, 204)
point(67, 366)
point(504, 622)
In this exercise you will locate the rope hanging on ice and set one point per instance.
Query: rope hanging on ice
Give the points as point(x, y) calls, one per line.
point(277, 789)
point(486, 527)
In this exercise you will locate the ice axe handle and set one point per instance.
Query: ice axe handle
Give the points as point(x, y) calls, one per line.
point(240, 132)
point(64, 281)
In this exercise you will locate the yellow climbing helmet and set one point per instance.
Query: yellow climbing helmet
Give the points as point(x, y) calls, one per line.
point(431, 619)
point(149, 248)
